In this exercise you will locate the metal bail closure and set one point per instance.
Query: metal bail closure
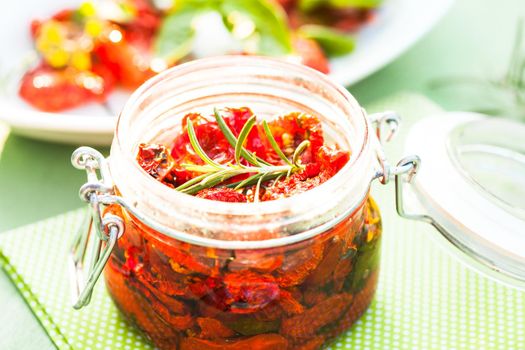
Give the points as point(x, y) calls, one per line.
point(406, 168)
point(108, 228)
point(386, 127)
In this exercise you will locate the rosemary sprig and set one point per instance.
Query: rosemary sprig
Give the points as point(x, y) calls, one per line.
point(228, 134)
point(214, 173)
point(273, 143)
point(243, 135)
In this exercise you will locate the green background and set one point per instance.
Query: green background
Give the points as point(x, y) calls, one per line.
point(37, 181)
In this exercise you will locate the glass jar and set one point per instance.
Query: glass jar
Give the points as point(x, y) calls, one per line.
point(192, 273)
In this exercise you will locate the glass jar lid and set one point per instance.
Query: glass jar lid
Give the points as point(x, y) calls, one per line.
point(471, 184)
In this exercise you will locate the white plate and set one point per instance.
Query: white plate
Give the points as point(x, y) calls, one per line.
point(398, 24)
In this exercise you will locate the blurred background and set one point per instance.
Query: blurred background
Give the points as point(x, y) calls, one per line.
point(470, 59)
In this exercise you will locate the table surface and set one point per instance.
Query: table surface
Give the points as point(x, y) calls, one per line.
point(36, 179)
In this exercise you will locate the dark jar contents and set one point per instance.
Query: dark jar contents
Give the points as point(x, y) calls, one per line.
point(296, 296)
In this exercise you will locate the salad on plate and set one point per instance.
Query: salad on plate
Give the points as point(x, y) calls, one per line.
point(85, 53)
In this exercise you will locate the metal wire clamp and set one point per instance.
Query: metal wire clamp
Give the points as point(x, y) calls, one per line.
point(108, 228)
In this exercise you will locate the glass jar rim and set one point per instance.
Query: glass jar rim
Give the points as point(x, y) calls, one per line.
point(360, 159)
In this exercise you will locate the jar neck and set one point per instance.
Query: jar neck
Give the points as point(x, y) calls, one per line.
point(269, 87)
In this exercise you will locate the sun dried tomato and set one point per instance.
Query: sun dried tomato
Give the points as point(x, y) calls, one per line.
point(207, 310)
point(293, 185)
point(248, 325)
point(157, 162)
point(320, 162)
point(164, 278)
point(134, 304)
point(259, 342)
point(312, 344)
point(255, 260)
point(240, 293)
point(247, 291)
point(291, 129)
point(213, 329)
point(172, 287)
point(211, 291)
point(175, 306)
point(309, 322)
point(341, 272)
point(34, 27)
point(359, 305)
point(181, 260)
point(323, 273)
point(210, 139)
point(297, 266)
point(221, 194)
point(170, 310)
point(133, 262)
point(313, 295)
point(289, 304)
point(332, 159)
point(179, 322)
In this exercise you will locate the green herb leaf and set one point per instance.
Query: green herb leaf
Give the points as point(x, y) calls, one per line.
point(197, 147)
point(310, 5)
point(270, 24)
point(191, 182)
point(232, 140)
point(298, 151)
point(243, 135)
point(273, 143)
point(250, 180)
point(210, 180)
point(258, 189)
point(333, 42)
point(355, 3)
point(175, 36)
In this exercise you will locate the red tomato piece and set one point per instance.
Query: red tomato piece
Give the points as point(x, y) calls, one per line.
point(213, 329)
point(333, 159)
point(156, 161)
point(291, 129)
point(128, 57)
point(236, 118)
point(222, 194)
point(311, 54)
point(247, 291)
point(55, 90)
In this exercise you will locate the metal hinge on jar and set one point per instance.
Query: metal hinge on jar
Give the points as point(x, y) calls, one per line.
point(107, 229)
point(387, 125)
